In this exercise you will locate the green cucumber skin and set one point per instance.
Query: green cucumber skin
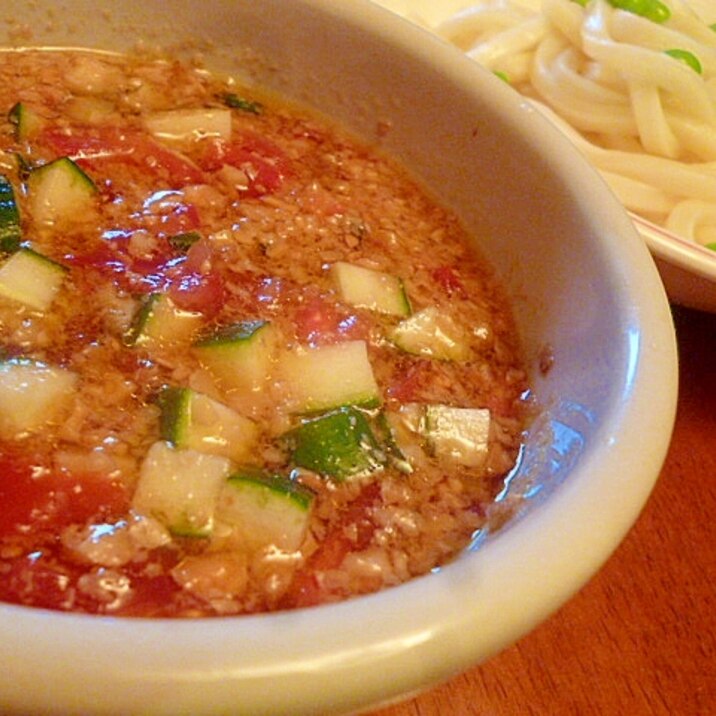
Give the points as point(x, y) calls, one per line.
point(339, 444)
point(66, 164)
point(282, 486)
point(407, 305)
point(23, 119)
point(15, 117)
point(393, 452)
point(235, 334)
point(45, 259)
point(175, 404)
point(10, 232)
point(234, 101)
point(135, 330)
point(41, 258)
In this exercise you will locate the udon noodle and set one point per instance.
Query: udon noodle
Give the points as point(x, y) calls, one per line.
point(636, 93)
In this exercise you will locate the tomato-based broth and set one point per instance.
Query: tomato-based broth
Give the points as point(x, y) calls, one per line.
point(246, 363)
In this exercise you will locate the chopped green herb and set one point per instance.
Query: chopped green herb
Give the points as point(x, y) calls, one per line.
point(245, 105)
point(583, 3)
point(184, 241)
point(502, 75)
point(711, 246)
point(653, 10)
point(688, 58)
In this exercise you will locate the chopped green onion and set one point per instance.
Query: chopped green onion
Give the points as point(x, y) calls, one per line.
point(583, 3)
point(687, 58)
point(184, 241)
point(711, 246)
point(245, 105)
point(502, 75)
point(653, 10)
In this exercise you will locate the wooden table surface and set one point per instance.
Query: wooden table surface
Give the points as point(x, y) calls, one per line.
point(640, 638)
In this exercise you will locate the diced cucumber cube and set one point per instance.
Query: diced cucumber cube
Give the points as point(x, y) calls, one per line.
point(59, 192)
point(459, 435)
point(27, 122)
point(180, 488)
point(32, 394)
point(390, 439)
point(31, 278)
point(181, 124)
point(266, 510)
point(159, 322)
point(240, 357)
point(10, 233)
point(196, 421)
point(366, 288)
point(433, 334)
point(340, 444)
point(329, 376)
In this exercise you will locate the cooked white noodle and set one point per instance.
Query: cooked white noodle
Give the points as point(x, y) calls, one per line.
point(645, 118)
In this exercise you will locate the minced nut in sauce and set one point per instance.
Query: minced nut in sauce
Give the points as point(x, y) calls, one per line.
point(183, 190)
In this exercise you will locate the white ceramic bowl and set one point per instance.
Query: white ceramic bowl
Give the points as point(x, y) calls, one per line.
point(582, 283)
point(687, 270)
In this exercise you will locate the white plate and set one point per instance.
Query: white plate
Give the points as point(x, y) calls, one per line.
point(687, 270)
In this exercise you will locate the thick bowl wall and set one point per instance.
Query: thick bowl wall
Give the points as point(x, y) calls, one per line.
point(583, 287)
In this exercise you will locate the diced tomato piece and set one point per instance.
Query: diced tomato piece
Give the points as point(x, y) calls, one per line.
point(34, 498)
point(407, 384)
point(306, 589)
point(38, 579)
point(194, 285)
point(316, 320)
point(151, 597)
point(170, 217)
point(154, 593)
point(263, 162)
point(134, 275)
point(100, 256)
point(190, 280)
point(319, 200)
point(98, 148)
point(202, 292)
point(184, 217)
point(319, 321)
point(85, 143)
point(448, 278)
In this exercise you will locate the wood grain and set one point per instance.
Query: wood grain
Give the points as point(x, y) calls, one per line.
point(640, 638)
